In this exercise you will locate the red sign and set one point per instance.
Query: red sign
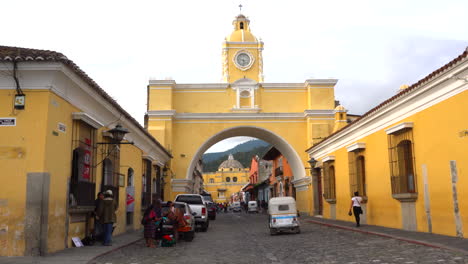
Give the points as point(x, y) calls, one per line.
point(87, 160)
point(130, 199)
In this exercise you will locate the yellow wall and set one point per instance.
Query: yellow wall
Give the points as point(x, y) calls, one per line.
point(22, 150)
point(437, 141)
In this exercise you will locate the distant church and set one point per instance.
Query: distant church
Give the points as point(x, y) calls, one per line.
point(228, 180)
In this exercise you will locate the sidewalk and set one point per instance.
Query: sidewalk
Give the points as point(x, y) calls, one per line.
point(421, 238)
point(80, 255)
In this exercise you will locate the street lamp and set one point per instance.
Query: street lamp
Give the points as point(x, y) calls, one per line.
point(312, 162)
point(118, 133)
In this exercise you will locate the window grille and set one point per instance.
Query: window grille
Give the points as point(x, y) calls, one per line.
point(329, 180)
point(357, 172)
point(82, 180)
point(402, 160)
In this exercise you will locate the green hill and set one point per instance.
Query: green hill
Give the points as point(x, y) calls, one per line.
point(242, 152)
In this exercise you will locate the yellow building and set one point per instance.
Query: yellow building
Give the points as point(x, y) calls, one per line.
point(57, 150)
point(407, 157)
point(190, 118)
point(229, 179)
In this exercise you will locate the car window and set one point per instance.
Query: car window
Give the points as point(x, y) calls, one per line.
point(283, 207)
point(190, 199)
point(207, 198)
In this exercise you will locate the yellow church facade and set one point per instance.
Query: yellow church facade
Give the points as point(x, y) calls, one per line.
point(407, 157)
point(229, 179)
point(189, 118)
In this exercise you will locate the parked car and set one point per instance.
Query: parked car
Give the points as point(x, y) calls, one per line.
point(236, 207)
point(198, 207)
point(187, 232)
point(210, 205)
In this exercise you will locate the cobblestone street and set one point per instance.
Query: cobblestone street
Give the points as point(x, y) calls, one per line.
point(242, 238)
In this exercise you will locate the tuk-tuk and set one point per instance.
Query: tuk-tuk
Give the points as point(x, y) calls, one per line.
point(253, 207)
point(283, 215)
point(236, 207)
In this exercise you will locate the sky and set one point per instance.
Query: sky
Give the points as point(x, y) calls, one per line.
point(372, 47)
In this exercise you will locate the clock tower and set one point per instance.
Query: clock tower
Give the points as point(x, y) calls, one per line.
point(242, 53)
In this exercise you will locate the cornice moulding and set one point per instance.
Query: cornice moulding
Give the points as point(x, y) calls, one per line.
point(399, 127)
point(308, 113)
point(321, 81)
point(328, 158)
point(162, 82)
point(236, 116)
point(356, 146)
point(161, 113)
point(88, 119)
point(207, 86)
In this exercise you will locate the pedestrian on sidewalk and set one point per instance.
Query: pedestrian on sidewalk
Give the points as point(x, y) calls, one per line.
point(98, 228)
point(106, 213)
point(356, 207)
point(151, 218)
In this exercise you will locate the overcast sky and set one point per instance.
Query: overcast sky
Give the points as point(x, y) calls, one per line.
point(372, 47)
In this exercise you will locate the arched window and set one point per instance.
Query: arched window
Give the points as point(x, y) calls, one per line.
point(405, 166)
point(130, 177)
point(228, 179)
point(234, 179)
point(241, 25)
point(211, 180)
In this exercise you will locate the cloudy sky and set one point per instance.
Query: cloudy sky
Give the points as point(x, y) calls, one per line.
point(372, 47)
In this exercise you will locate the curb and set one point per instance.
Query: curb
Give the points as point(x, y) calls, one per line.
point(113, 250)
point(413, 241)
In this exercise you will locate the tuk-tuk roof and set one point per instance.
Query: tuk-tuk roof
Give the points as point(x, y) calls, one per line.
point(275, 203)
point(281, 200)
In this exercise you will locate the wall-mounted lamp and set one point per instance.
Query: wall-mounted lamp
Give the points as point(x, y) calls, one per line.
point(312, 162)
point(118, 134)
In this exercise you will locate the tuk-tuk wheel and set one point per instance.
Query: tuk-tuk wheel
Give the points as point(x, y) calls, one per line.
point(298, 230)
point(272, 231)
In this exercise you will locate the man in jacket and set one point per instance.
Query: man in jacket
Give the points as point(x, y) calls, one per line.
point(106, 214)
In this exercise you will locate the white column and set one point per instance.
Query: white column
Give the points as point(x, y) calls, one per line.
point(238, 98)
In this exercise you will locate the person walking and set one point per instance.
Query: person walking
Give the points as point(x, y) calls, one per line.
point(106, 214)
point(151, 216)
point(356, 201)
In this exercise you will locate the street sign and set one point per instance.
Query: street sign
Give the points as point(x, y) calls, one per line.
point(8, 121)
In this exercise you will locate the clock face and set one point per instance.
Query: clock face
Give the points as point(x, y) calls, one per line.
point(243, 59)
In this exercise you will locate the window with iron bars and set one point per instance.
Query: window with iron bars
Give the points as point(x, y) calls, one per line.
point(82, 180)
point(329, 192)
point(402, 160)
point(357, 172)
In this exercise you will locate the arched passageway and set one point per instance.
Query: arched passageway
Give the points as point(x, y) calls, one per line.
point(257, 132)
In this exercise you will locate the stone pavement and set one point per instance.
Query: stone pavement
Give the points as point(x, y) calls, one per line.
point(91, 253)
point(421, 238)
point(80, 255)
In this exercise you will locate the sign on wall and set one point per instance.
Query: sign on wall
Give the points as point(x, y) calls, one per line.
point(130, 199)
point(7, 121)
point(87, 160)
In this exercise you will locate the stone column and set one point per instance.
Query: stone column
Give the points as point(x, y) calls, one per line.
point(315, 176)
